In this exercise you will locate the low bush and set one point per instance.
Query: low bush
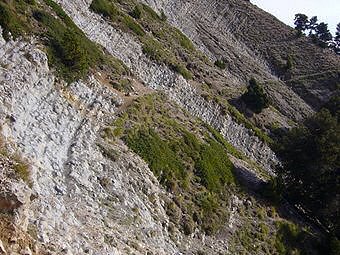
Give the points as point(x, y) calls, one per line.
point(288, 238)
point(133, 26)
point(162, 160)
point(154, 50)
point(220, 64)
point(183, 71)
point(213, 166)
point(104, 7)
point(69, 50)
point(151, 13)
point(136, 13)
point(255, 98)
point(21, 169)
point(10, 22)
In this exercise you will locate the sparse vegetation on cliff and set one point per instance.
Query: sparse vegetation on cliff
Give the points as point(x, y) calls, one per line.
point(69, 50)
point(184, 163)
point(12, 18)
point(163, 46)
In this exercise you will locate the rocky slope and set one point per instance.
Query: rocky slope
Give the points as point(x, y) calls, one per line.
point(248, 38)
point(78, 199)
point(86, 194)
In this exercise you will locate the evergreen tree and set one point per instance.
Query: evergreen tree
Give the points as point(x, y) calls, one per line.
point(301, 22)
point(313, 23)
point(255, 98)
point(323, 35)
point(337, 40)
point(311, 168)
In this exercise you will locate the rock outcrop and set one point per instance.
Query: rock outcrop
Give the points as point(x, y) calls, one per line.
point(85, 201)
point(127, 49)
point(86, 194)
point(56, 128)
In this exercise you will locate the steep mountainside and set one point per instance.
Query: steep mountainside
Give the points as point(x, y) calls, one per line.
point(252, 40)
point(119, 134)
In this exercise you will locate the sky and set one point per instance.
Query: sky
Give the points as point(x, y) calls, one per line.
point(328, 11)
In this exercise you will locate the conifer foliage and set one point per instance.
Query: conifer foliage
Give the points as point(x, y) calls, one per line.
point(318, 32)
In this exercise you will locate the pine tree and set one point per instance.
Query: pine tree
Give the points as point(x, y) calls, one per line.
point(323, 35)
point(301, 22)
point(311, 168)
point(337, 40)
point(255, 98)
point(313, 23)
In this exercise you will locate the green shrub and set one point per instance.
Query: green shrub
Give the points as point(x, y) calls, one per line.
point(290, 63)
point(21, 169)
point(66, 48)
point(213, 167)
point(184, 41)
point(72, 52)
point(61, 14)
point(69, 50)
point(155, 50)
point(133, 26)
point(136, 13)
point(220, 64)
point(10, 22)
point(288, 238)
point(104, 7)
point(182, 70)
point(255, 98)
point(212, 214)
point(150, 12)
point(162, 160)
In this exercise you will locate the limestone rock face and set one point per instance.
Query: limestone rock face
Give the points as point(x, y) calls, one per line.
point(86, 195)
point(56, 128)
point(82, 201)
point(160, 77)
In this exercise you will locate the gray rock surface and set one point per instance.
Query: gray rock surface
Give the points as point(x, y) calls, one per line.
point(89, 196)
point(254, 43)
point(85, 201)
point(56, 128)
point(160, 77)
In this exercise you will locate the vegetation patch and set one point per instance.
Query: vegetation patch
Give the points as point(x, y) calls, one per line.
point(158, 154)
point(190, 164)
point(164, 45)
point(105, 8)
point(213, 166)
point(18, 168)
point(255, 98)
point(68, 49)
point(12, 18)
point(220, 63)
